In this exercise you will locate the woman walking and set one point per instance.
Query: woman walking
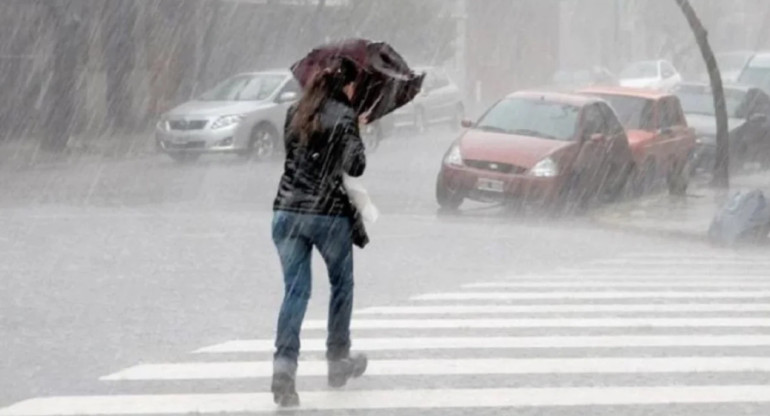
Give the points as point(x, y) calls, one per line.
point(312, 210)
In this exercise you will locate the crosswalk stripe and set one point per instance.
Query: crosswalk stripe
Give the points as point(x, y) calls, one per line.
point(362, 324)
point(661, 271)
point(457, 366)
point(564, 308)
point(685, 262)
point(608, 294)
point(391, 399)
point(540, 342)
point(606, 278)
point(624, 284)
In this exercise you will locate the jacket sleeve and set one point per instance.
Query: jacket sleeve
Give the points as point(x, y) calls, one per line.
point(354, 155)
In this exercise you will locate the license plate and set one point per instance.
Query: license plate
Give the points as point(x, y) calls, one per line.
point(489, 185)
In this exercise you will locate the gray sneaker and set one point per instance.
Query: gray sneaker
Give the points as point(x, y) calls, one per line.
point(284, 390)
point(340, 371)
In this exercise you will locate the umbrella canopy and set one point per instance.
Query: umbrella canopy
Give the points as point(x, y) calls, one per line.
point(385, 82)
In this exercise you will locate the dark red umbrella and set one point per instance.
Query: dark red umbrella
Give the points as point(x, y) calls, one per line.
point(386, 81)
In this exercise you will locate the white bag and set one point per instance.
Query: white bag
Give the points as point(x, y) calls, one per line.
point(359, 197)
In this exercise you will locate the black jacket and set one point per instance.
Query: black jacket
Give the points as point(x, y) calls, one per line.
point(312, 178)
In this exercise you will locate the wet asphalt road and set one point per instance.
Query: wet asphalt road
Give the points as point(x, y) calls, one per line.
point(108, 264)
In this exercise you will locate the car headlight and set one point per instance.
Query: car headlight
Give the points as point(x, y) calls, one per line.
point(227, 121)
point(546, 168)
point(163, 123)
point(453, 156)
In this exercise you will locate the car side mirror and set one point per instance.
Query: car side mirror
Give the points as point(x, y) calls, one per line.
point(287, 97)
point(466, 124)
point(758, 118)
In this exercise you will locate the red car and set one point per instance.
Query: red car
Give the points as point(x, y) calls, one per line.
point(660, 139)
point(538, 147)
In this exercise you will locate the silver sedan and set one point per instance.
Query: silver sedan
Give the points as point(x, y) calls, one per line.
point(243, 115)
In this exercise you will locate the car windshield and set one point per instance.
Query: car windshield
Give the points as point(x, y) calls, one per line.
point(244, 88)
point(532, 117)
point(634, 113)
point(732, 61)
point(756, 76)
point(701, 101)
point(648, 69)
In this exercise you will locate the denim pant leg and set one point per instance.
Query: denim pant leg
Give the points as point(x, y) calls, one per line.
point(334, 241)
point(294, 249)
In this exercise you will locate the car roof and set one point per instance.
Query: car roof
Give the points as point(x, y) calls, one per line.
point(649, 94)
point(730, 86)
point(557, 97)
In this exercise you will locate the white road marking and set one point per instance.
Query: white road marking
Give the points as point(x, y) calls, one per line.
point(605, 294)
point(707, 271)
point(391, 399)
point(564, 308)
point(761, 263)
point(428, 367)
point(624, 284)
point(542, 342)
point(548, 323)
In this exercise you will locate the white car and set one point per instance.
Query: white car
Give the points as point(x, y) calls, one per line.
point(659, 75)
point(243, 115)
point(439, 102)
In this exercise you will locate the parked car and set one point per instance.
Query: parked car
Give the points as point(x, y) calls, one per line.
point(578, 78)
point(243, 115)
point(748, 109)
point(658, 74)
point(660, 139)
point(757, 72)
point(539, 148)
point(439, 102)
point(731, 65)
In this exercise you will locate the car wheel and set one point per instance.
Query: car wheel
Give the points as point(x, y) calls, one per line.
point(615, 182)
point(678, 178)
point(263, 143)
point(646, 178)
point(447, 197)
point(420, 123)
point(184, 157)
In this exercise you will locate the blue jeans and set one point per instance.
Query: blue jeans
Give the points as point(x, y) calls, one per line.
point(294, 236)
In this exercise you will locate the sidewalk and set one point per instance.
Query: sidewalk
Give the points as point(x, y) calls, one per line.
point(683, 217)
point(27, 152)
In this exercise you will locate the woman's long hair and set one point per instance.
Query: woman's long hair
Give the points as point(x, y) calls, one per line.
point(324, 84)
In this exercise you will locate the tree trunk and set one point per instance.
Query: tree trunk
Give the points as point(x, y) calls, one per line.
point(721, 177)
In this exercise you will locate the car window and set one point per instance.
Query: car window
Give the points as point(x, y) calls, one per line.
point(245, 87)
point(698, 99)
point(594, 121)
point(614, 128)
point(291, 86)
point(756, 102)
point(634, 113)
point(667, 70)
point(532, 117)
point(670, 113)
point(757, 77)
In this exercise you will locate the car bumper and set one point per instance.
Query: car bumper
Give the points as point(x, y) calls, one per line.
point(486, 186)
point(197, 141)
